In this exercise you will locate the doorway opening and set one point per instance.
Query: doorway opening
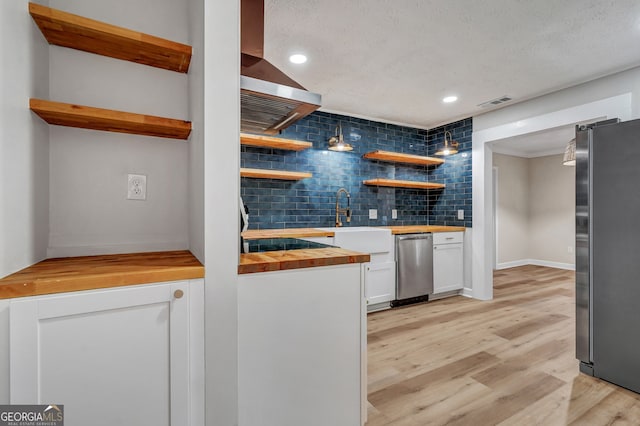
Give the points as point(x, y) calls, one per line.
point(533, 200)
point(483, 145)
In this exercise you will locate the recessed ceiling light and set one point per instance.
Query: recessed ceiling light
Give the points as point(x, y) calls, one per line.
point(449, 99)
point(298, 58)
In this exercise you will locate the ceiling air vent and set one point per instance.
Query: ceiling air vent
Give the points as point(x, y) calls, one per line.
point(496, 101)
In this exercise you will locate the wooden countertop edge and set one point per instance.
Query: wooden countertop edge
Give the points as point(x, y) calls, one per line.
point(298, 259)
point(412, 229)
point(63, 275)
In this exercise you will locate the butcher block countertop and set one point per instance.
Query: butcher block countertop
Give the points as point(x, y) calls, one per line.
point(418, 229)
point(94, 272)
point(257, 234)
point(296, 259)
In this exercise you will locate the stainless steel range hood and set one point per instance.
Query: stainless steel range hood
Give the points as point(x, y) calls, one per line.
point(270, 100)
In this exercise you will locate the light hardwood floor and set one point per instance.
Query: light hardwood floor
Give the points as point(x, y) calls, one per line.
point(509, 361)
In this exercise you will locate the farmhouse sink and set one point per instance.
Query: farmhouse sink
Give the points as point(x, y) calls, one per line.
point(364, 239)
point(352, 229)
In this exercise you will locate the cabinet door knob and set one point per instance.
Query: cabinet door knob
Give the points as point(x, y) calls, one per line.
point(178, 294)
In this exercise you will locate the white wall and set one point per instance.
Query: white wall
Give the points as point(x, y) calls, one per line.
point(535, 211)
point(24, 155)
point(512, 208)
point(613, 96)
point(89, 212)
point(551, 211)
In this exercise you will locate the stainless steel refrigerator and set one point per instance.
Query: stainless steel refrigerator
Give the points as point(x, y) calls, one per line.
point(608, 251)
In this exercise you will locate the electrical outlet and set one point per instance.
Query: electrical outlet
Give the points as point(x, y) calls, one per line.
point(136, 187)
point(570, 249)
point(394, 214)
point(460, 214)
point(373, 213)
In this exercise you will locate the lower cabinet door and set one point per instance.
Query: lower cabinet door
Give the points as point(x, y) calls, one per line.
point(448, 267)
point(111, 357)
point(380, 282)
point(301, 337)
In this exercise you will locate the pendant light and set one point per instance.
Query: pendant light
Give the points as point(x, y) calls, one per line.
point(570, 154)
point(449, 146)
point(337, 143)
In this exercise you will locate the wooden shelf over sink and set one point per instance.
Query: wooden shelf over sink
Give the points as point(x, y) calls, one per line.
point(77, 32)
point(273, 174)
point(403, 184)
point(275, 143)
point(109, 120)
point(397, 157)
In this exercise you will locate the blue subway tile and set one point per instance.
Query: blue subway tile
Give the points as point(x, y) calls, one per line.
point(311, 202)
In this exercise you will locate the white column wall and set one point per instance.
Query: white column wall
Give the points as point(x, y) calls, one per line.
point(221, 222)
point(24, 155)
point(24, 140)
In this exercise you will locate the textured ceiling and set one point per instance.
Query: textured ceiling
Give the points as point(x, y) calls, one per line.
point(394, 60)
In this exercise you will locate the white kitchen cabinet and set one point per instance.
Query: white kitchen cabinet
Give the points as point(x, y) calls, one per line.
point(302, 347)
point(123, 356)
point(380, 283)
point(448, 262)
point(380, 272)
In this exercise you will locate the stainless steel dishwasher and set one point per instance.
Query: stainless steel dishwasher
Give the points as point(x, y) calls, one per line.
point(414, 268)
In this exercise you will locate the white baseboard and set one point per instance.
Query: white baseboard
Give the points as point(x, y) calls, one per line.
point(558, 265)
point(513, 264)
point(537, 262)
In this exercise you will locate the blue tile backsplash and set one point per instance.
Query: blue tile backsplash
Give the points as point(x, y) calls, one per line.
point(311, 202)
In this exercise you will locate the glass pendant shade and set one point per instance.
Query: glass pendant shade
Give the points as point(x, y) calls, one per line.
point(570, 154)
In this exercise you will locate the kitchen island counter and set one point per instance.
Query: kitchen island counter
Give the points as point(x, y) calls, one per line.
point(297, 259)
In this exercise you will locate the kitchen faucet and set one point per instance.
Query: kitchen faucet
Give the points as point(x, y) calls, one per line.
point(339, 211)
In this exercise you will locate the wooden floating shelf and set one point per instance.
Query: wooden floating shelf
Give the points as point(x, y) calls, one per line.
point(108, 120)
point(273, 174)
point(397, 157)
point(403, 184)
point(271, 142)
point(68, 30)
